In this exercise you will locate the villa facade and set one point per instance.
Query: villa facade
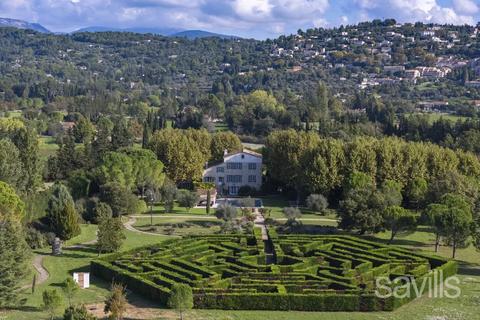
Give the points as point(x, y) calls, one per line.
point(238, 169)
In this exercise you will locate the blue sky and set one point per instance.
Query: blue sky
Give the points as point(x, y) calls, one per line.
point(248, 18)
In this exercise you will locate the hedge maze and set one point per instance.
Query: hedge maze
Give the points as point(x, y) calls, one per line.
point(298, 272)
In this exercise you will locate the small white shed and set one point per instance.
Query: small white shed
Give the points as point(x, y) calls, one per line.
point(82, 279)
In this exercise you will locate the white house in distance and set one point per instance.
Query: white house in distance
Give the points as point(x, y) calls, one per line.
point(241, 168)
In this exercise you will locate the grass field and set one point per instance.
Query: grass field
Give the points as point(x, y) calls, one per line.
point(432, 117)
point(159, 210)
point(179, 226)
point(47, 146)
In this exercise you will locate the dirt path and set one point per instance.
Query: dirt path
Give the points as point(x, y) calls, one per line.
point(42, 273)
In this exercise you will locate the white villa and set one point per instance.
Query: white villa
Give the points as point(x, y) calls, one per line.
point(241, 168)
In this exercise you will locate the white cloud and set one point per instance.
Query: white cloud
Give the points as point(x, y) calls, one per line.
point(465, 6)
point(253, 10)
point(463, 11)
point(449, 16)
point(320, 22)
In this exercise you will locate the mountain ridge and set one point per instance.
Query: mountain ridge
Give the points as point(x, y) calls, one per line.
point(22, 24)
point(168, 32)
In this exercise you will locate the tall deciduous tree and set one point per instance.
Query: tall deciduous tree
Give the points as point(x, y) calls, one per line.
point(222, 141)
point(184, 157)
point(147, 170)
point(416, 192)
point(361, 207)
point(284, 151)
point(117, 168)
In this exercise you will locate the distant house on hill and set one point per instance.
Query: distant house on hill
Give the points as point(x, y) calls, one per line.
point(237, 169)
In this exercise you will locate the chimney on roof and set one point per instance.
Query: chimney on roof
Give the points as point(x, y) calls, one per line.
point(225, 152)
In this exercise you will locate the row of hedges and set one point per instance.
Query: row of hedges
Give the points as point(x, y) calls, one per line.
point(313, 273)
point(132, 281)
point(290, 302)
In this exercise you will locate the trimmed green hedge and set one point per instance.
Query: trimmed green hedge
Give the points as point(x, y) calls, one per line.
point(312, 272)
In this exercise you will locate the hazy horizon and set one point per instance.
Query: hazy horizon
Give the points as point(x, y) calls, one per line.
point(246, 18)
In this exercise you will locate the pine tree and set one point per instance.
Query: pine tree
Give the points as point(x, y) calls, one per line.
point(14, 257)
point(67, 157)
point(61, 213)
point(110, 235)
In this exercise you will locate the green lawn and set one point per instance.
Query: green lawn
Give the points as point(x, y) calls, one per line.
point(47, 146)
point(277, 203)
point(432, 117)
point(179, 226)
point(72, 260)
point(159, 210)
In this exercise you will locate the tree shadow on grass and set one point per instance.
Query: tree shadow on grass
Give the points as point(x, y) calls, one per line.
point(87, 249)
point(399, 242)
point(25, 309)
point(469, 269)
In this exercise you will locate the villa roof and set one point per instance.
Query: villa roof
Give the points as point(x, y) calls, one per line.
point(250, 152)
point(217, 162)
